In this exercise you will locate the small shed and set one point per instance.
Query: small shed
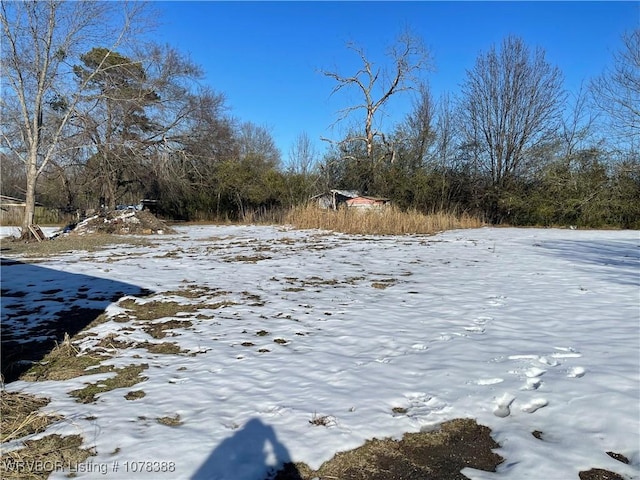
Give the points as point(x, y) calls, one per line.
point(332, 199)
point(362, 202)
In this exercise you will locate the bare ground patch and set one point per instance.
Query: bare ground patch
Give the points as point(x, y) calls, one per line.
point(440, 454)
point(197, 291)
point(135, 395)
point(155, 309)
point(166, 348)
point(159, 330)
point(247, 258)
point(599, 474)
point(173, 421)
point(383, 283)
point(125, 377)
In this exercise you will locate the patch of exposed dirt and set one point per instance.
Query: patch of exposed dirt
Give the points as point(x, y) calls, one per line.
point(20, 416)
point(247, 258)
point(111, 342)
point(155, 309)
point(166, 348)
point(135, 395)
point(440, 454)
point(599, 474)
point(197, 291)
point(125, 377)
point(174, 421)
point(619, 457)
point(159, 330)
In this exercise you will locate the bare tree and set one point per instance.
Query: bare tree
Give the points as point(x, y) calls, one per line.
point(417, 132)
point(408, 58)
point(577, 124)
point(617, 91)
point(302, 155)
point(39, 98)
point(204, 138)
point(510, 100)
point(445, 144)
point(256, 144)
point(446, 130)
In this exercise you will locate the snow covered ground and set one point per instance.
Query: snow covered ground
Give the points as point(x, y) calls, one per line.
point(523, 329)
point(15, 231)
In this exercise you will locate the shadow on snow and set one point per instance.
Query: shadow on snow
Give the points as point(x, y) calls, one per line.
point(619, 260)
point(39, 305)
point(253, 452)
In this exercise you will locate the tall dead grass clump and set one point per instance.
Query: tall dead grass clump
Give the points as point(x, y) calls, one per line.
point(386, 221)
point(21, 415)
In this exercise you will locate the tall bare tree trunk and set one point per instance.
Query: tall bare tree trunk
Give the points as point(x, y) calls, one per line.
point(30, 200)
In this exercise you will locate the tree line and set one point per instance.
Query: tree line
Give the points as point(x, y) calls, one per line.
point(93, 115)
point(513, 146)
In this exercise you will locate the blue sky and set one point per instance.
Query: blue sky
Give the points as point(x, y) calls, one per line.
point(266, 57)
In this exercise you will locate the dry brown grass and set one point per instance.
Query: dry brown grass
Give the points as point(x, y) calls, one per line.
point(388, 221)
point(135, 395)
point(36, 459)
point(159, 330)
point(39, 458)
point(71, 243)
point(163, 348)
point(20, 415)
point(125, 377)
point(174, 421)
point(155, 309)
point(440, 454)
point(65, 361)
